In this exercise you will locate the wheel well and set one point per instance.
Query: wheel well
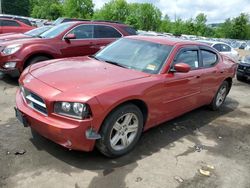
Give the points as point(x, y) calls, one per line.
point(37, 55)
point(230, 82)
point(140, 104)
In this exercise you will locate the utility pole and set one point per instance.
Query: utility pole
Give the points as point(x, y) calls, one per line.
point(1, 7)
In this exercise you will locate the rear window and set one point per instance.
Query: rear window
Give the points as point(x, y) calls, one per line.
point(9, 23)
point(130, 30)
point(209, 58)
point(27, 22)
point(102, 31)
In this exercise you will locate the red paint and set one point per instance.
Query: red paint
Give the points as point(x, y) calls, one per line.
point(19, 27)
point(56, 47)
point(104, 87)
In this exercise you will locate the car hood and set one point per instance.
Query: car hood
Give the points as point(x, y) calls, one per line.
point(13, 37)
point(82, 73)
point(23, 41)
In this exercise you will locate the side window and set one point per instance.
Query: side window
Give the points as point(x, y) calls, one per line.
point(209, 58)
point(130, 30)
point(217, 47)
point(189, 57)
point(102, 31)
point(83, 32)
point(9, 23)
point(225, 48)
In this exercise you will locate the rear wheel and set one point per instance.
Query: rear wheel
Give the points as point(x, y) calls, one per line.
point(121, 131)
point(220, 96)
point(36, 59)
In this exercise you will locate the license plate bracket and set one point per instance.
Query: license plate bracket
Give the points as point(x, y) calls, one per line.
point(21, 118)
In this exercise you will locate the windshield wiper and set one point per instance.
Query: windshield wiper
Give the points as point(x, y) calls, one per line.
point(108, 61)
point(94, 57)
point(115, 63)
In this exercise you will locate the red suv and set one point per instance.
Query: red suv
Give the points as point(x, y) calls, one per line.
point(13, 26)
point(65, 40)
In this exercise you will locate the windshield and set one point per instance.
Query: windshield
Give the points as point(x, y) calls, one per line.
point(136, 54)
point(37, 31)
point(56, 30)
point(57, 21)
point(246, 59)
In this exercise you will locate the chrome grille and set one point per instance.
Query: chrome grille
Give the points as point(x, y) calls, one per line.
point(34, 101)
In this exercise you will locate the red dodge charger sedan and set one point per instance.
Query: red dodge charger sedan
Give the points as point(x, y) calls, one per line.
point(109, 99)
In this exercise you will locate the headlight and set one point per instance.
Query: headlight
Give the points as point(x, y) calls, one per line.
point(72, 109)
point(11, 49)
point(9, 65)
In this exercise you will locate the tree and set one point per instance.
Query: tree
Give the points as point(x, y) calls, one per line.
point(239, 27)
point(16, 7)
point(78, 8)
point(116, 10)
point(46, 9)
point(200, 24)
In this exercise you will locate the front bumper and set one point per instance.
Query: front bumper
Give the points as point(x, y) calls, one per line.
point(14, 72)
point(70, 135)
point(243, 73)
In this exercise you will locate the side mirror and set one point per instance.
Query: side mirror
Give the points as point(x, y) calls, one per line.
point(182, 67)
point(70, 36)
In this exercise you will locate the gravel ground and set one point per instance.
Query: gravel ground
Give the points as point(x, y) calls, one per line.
point(170, 155)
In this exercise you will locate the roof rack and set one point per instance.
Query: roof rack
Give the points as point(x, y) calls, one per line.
point(110, 21)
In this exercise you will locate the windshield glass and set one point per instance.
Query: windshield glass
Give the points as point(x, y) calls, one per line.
point(57, 21)
point(37, 31)
point(246, 59)
point(136, 54)
point(56, 30)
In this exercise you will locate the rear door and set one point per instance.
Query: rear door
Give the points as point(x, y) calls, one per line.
point(212, 73)
point(82, 45)
point(104, 35)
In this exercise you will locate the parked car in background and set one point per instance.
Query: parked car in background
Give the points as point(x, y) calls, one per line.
point(64, 40)
point(243, 70)
point(29, 34)
point(10, 26)
point(223, 48)
point(22, 19)
point(109, 99)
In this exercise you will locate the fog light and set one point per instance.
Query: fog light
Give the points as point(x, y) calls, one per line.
point(9, 65)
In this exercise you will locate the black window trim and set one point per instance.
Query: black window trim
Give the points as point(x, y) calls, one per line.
point(205, 48)
point(63, 38)
point(183, 49)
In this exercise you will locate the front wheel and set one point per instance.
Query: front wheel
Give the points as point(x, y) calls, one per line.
point(36, 59)
point(121, 131)
point(220, 96)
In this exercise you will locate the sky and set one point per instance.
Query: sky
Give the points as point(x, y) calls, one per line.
point(216, 10)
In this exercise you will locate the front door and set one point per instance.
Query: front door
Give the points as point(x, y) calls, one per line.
point(82, 45)
point(181, 92)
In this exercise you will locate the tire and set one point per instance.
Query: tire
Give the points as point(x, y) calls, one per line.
point(124, 135)
point(240, 78)
point(220, 96)
point(36, 59)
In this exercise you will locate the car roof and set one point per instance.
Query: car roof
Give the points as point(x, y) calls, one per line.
point(98, 22)
point(165, 40)
point(213, 42)
point(9, 19)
